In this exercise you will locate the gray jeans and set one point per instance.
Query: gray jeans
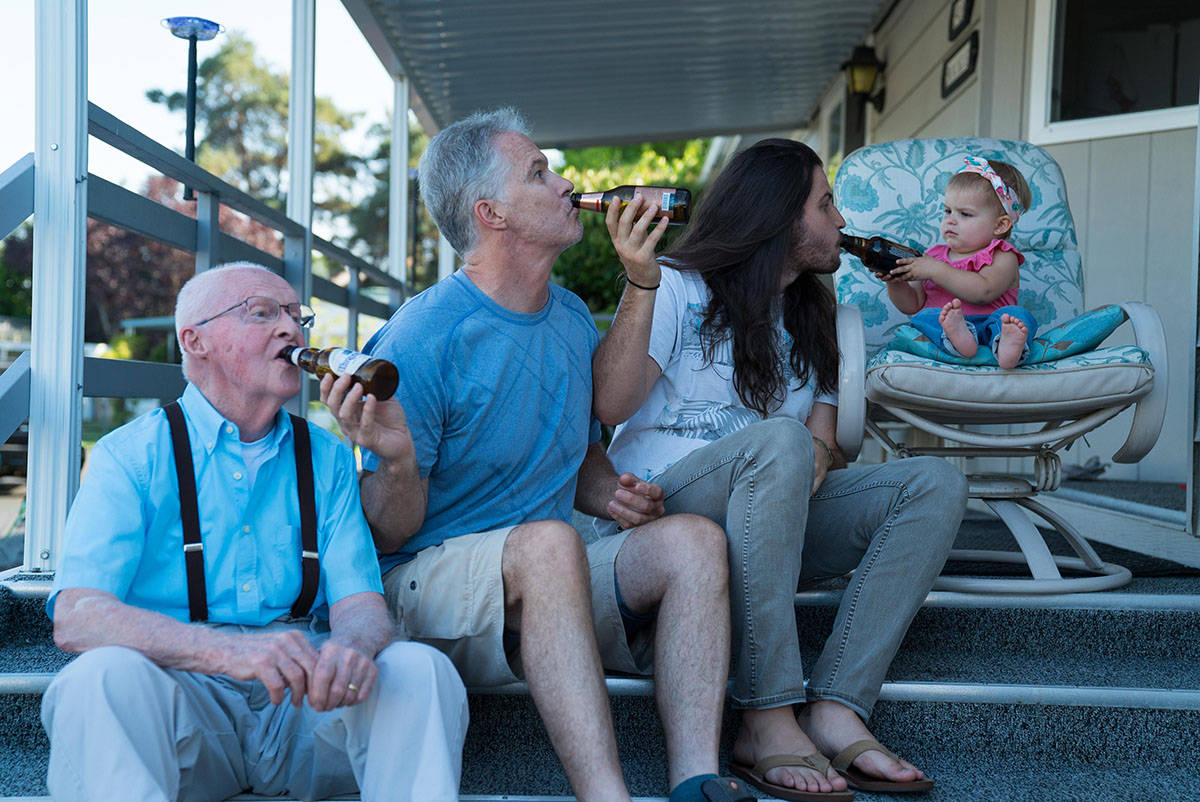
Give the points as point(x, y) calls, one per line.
point(891, 524)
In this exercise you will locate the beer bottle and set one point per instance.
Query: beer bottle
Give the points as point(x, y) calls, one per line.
point(877, 254)
point(378, 377)
point(675, 203)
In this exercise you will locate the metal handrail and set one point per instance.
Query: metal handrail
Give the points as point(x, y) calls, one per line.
point(108, 128)
point(133, 142)
point(16, 194)
point(14, 396)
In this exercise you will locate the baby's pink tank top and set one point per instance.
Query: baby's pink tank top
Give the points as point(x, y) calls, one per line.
point(937, 297)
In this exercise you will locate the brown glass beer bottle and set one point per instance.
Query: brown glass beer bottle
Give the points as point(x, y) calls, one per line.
point(674, 202)
point(877, 254)
point(378, 377)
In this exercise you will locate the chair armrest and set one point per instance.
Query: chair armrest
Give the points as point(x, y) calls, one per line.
point(1149, 412)
point(852, 389)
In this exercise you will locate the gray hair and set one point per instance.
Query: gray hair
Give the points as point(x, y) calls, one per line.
point(461, 166)
point(202, 294)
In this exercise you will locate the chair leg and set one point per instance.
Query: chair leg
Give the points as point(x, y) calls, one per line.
point(1044, 566)
point(1029, 539)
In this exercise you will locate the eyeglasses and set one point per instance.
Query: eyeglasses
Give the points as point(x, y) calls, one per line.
point(261, 309)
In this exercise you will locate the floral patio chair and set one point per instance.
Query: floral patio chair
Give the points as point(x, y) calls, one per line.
point(1068, 386)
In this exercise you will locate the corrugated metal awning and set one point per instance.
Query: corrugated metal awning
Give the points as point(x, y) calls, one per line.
point(619, 71)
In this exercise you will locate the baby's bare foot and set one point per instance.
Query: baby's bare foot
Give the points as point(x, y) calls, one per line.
point(954, 325)
point(1012, 341)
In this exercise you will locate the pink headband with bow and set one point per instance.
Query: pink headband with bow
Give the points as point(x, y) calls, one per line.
point(977, 164)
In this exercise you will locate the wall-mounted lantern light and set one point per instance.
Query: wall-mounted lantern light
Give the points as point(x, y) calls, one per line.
point(862, 71)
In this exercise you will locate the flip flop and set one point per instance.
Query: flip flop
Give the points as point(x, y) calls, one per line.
point(860, 780)
point(756, 776)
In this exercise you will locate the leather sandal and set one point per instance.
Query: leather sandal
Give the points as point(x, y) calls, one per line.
point(860, 780)
point(756, 776)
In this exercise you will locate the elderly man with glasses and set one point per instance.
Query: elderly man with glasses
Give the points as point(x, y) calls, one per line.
point(219, 580)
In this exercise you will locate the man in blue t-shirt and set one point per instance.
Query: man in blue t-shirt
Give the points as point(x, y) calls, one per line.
point(470, 480)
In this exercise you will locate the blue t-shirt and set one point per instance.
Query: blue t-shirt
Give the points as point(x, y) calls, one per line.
point(498, 403)
point(124, 534)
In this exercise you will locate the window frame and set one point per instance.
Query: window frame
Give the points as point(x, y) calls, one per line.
point(1044, 132)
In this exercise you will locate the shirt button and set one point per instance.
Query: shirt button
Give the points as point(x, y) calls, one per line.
point(412, 585)
point(245, 529)
point(237, 475)
point(228, 430)
point(246, 587)
point(210, 445)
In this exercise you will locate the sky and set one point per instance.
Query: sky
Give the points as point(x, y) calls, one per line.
point(129, 52)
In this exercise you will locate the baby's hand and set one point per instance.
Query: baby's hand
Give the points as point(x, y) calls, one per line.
point(916, 268)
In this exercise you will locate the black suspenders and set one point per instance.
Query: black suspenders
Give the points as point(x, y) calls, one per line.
point(189, 511)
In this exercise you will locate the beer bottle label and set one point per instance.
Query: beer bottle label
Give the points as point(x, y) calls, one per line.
point(343, 361)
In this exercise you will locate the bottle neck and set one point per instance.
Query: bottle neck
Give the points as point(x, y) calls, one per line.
point(292, 354)
point(591, 201)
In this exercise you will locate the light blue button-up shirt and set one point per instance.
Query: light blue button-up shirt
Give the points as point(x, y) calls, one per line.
point(124, 534)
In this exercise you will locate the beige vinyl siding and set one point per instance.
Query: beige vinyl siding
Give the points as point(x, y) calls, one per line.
point(1132, 199)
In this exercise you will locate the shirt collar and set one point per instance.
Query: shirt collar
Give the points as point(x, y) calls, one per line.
point(211, 426)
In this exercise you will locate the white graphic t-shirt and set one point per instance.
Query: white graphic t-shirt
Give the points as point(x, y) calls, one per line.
point(693, 402)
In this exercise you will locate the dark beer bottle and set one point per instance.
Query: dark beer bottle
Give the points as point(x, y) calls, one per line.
point(877, 254)
point(378, 377)
point(675, 203)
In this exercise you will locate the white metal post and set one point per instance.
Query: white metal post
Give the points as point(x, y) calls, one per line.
point(398, 186)
point(445, 257)
point(59, 254)
point(1193, 484)
point(297, 254)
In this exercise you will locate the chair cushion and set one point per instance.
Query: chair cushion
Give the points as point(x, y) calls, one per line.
point(1065, 387)
point(1075, 336)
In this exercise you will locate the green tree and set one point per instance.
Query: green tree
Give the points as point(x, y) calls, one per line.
point(369, 220)
point(591, 269)
point(242, 114)
point(16, 273)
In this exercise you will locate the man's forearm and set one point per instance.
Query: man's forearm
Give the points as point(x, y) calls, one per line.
point(595, 483)
point(361, 622)
point(394, 499)
point(619, 364)
point(88, 619)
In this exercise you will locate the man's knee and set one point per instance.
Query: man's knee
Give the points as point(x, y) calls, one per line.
point(113, 676)
point(420, 669)
point(112, 668)
point(544, 547)
point(695, 540)
point(937, 477)
point(783, 446)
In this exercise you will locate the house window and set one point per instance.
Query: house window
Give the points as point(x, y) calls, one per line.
point(1116, 57)
point(1107, 68)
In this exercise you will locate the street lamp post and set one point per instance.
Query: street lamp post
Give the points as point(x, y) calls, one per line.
point(194, 29)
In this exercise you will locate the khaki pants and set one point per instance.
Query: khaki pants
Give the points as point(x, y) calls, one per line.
point(122, 727)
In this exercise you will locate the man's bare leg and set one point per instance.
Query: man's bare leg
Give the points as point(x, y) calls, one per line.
point(679, 563)
point(547, 598)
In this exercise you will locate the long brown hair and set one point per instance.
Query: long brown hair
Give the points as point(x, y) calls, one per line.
point(739, 240)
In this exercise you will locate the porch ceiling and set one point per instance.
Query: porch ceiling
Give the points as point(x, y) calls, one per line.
point(618, 71)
